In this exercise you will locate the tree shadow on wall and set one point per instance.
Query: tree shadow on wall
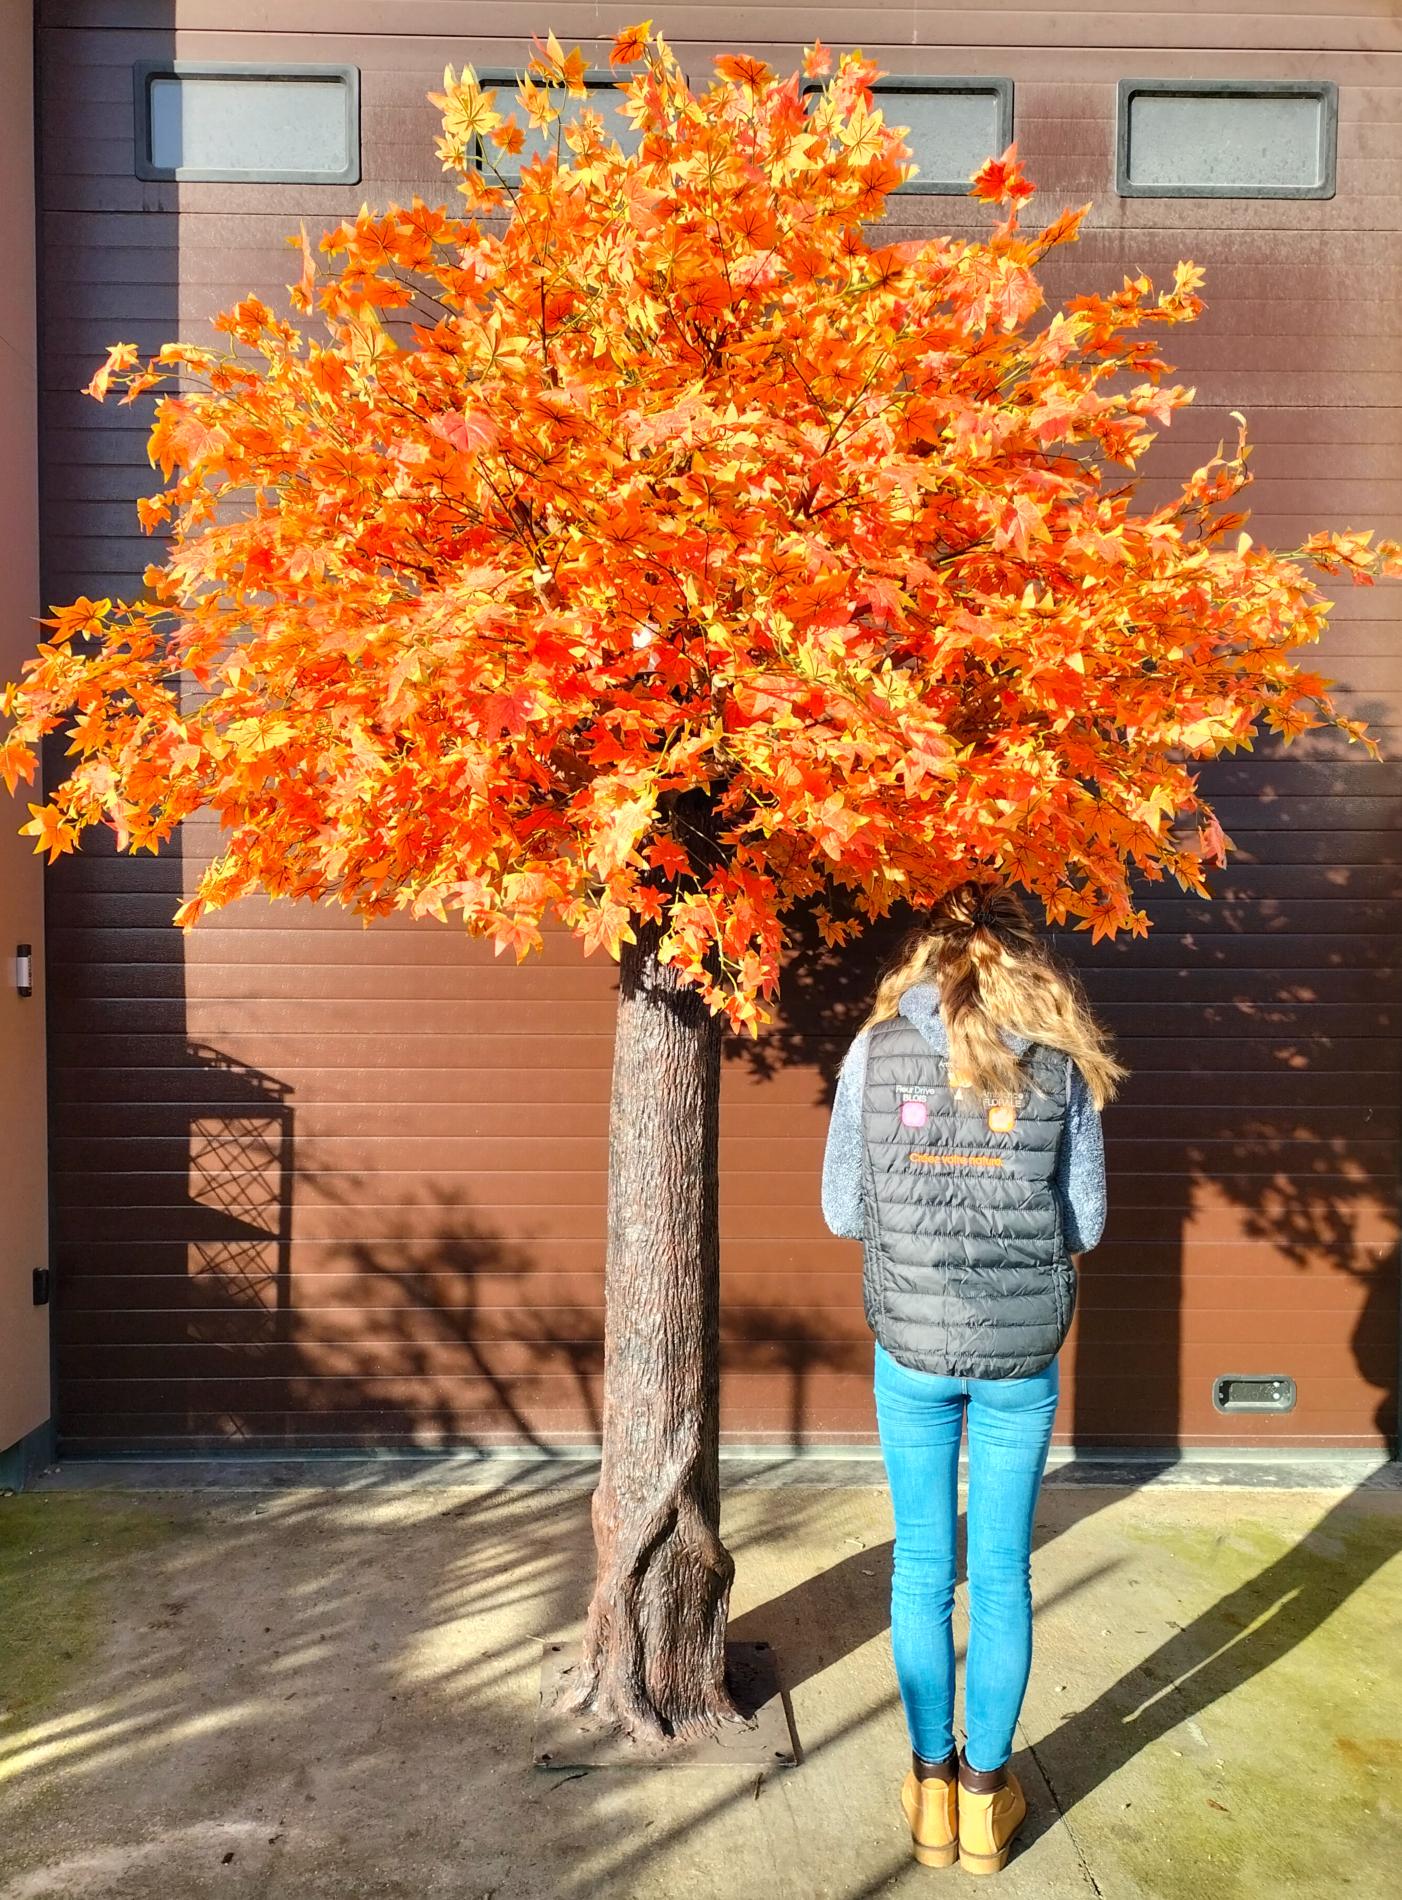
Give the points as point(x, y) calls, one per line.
point(453, 1337)
point(173, 1173)
point(1239, 1162)
point(1249, 1157)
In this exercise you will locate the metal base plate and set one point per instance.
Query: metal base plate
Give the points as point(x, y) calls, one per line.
point(763, 1741)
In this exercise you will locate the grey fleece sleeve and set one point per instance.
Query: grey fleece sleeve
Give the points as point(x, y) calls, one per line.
point(1080, 1171)
point(842, 1159)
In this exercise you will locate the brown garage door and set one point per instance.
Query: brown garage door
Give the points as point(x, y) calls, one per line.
point(298, 1195)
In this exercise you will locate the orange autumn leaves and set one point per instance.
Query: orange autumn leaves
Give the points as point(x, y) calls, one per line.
point(652, 471)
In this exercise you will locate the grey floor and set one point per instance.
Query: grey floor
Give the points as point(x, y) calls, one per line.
point(271, 1683)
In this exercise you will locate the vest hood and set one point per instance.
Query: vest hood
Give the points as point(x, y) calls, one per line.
point(920, 1005)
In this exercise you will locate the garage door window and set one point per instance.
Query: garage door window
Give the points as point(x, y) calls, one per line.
point(1226, 139)
point(955, 124)
point(296, 125)
point(604, 98)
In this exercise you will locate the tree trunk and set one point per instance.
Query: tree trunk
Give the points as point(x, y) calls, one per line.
point(654, 1648)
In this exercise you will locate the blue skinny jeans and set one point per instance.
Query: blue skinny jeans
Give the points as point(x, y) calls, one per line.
point(920, 1417)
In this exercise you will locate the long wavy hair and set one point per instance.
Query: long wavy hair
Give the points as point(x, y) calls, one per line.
point(993, 971)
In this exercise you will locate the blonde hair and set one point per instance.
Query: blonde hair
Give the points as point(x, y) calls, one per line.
point(993, 972)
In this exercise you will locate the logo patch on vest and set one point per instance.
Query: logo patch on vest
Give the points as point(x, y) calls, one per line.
point(914, 1114)
point(1002, 1118)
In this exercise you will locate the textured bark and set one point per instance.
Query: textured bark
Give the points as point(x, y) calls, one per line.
point(654, 1648)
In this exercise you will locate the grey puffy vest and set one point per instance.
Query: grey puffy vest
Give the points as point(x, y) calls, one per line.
point(965, 1268)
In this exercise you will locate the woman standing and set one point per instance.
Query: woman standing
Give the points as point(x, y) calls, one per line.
point(965, 1153)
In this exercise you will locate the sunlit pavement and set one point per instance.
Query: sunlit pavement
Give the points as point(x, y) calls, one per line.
point(290, 1682)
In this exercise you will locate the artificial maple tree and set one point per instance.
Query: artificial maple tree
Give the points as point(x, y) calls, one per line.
point(643, 547)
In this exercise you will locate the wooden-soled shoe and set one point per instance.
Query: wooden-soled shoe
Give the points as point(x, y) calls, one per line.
point(932, 1809)
point(987, 1824)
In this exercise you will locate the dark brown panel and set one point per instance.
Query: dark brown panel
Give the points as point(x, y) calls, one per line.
point(1004, 20)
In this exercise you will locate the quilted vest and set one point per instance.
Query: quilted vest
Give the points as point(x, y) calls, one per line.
point(965, 1268)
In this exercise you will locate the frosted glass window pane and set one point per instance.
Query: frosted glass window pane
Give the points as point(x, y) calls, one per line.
point(1246, 141)
point(951, 133)
point(209, 123)
point(602, 99)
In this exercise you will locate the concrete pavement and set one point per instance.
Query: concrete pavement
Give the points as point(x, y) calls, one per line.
point(293, 1690)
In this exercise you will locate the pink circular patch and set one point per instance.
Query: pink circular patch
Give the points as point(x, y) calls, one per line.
point(914, 1114)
